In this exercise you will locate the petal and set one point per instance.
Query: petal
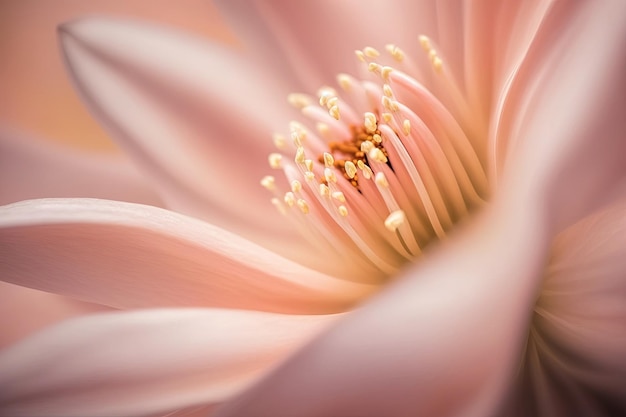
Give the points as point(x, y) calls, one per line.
point(581, 314)
point(23, 311)
point(316, 40)
point(137, 363)
point(32, 168)
point(455, 324)
point(564, 114)
point(126, 255)
point(197, 117)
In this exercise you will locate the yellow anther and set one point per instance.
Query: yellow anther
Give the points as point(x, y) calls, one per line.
point(304, 206)
point(299, 101)
point(370, 122)
point(290, 199)
point(385, 72)
point(344, 81)
point(342, 210)
point(296, 186)
point(323, 129)
point(309, 176)
point(360, 55)
point(268, 182)
point(437, 64)
point(367, 146)
point(279, 141)
point(275, 160)
point(279, 206)
point(350, 169)
point(329, 174)
point(300, 157)
point(395, 52)
point(377, 138)
point(371, 52)
point(389, 104)
point(425, 42)
point(365, 170)
point(406, 127)
point(377, 155)
point(331, 102)
point(329, 161)
point(374, 67)
point(334, 112)
point(387, 90)
point(308, 164)
point(338, 195)
point(387, 117)
point(324, 190)
point(297, 138)
point(381, 180)
point(395, 220)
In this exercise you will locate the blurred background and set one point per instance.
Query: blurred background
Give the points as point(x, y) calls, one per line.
point(36, 94)
point(37, 98)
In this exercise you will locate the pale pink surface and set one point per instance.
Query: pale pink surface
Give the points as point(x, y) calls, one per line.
point(456, 323)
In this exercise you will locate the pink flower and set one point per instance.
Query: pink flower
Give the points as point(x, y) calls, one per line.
point(514, 307)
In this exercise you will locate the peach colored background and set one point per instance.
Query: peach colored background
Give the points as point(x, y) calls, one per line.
point(36, 94)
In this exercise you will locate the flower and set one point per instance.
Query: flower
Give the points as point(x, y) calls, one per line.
point(532, 93)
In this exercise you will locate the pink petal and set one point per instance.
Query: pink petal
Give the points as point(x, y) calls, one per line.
point(442, 341)
point(316, 40)
point(24, 311)
point(126, 255)
point(563, 120)
point(197, 117)
point(445, 340)
point(31, 168)
point(144, 362)
point(580, 318)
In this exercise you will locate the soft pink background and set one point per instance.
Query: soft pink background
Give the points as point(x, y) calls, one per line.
point(36, 93)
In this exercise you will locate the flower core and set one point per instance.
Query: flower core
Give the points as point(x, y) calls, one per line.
point(382, 172)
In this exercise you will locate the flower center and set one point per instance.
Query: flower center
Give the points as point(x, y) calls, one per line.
point(381, 173)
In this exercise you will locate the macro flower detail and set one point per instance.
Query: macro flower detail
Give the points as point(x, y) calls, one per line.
point(440, 230)
point(374, 162)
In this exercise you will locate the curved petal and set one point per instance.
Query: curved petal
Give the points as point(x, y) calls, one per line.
point(317, 39)
point(24, 311)
point(453, 324)
point(126, 255)
point(197, 117)
point(138, 363)
point(31, 168)
point(580, 318)
point(564, 113)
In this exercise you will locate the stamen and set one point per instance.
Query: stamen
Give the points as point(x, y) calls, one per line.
point(395, 52)
point(338, 195)
point(300, 157)
point(406, 127)
point(299, 101)
point(350, 169)
point(395, 220)
point(279, 141)
point(342, 210)
point(275, 160)
point(269, 182)
point(371, 52)
point(296, 186)
point(304, 206)
point(279, 206)
point(290, 198)
point(329, 161)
